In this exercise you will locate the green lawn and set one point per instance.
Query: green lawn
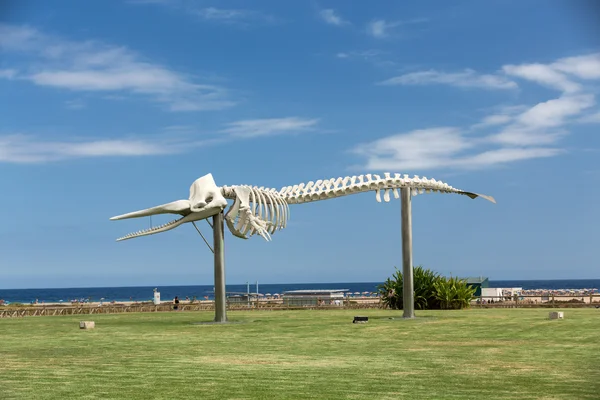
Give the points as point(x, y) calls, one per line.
point(469, 354)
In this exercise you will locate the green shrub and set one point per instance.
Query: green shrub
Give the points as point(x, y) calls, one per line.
point(424, 286)
point(431, 291)
point(391, 291)
point(453, 293)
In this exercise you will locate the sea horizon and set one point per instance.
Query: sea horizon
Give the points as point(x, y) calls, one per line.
point(282, 283)
point(145, 292)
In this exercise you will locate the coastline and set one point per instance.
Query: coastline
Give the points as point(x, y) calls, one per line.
point(539, 290)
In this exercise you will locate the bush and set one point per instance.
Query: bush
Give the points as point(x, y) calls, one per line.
point(453, 293)
point(431, 291)
point(391, 291)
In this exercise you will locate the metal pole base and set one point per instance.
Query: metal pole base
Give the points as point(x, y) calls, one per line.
point(219, 250)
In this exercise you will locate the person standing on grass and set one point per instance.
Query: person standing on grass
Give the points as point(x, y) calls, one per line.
point(176, 302)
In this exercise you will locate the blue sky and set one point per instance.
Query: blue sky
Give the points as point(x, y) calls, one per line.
point(113, 106)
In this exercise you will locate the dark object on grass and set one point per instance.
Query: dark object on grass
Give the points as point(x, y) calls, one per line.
point(360, 320)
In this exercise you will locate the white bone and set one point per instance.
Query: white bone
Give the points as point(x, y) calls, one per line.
point(274, 211)
point(262, 208)
point(386, 195)
point(308, 186)
point(319, 185)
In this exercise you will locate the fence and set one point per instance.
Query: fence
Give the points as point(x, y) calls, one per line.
point(32, 311)
point(526, 301)
point(537, 301)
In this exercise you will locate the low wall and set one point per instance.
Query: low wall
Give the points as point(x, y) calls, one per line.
point(530, 301)
point(37, 310)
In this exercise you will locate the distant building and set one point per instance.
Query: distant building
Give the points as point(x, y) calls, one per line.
point(241, 297)
point(478, 283)
point(313, 297)
point(492, 293)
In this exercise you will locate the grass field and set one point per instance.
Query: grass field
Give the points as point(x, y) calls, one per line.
point(469, 354)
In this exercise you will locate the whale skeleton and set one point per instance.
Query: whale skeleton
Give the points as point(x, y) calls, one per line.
point(263, 211)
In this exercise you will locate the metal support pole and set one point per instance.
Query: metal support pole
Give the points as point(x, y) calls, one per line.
point(219, 250)
point(407, 267)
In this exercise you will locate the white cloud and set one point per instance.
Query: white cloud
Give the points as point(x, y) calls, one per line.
point(7, 73)
point(553, 112)
point(517, 133)
point(365, 54)
point(585, 67)
point(493, 120)
point(17, 37)
point(76, 104)
point(556, 74)
point(506, 155)
point(543, 74)
point(436, 148)
point(332, 18)
point(228, 16)
point(269, 126)
point(150, 1)
point(381, 28)
point(32, 149)
point(419, 149)
point(591, 118)
point(378, 58)
point(378, 28)
point(95, 67)
point(174, 139)
point(538, 124)
point(466, 78)
point(225, 15)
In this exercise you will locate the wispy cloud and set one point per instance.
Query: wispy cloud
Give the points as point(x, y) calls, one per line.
point(560, 74)
point(381, 28)
point(542, 74)
point(436, 148)
point(240, 17)
point(150, 1)
point(226, 16)
point(96, 67)
point(591, 118)
point(7, 73)
point(331, 17)
point(27, 149)
point(543, 123)
point(376, 57)
point(75, 104)
point(175, 139)
point(510, 135)
point(378, 28)
point(467, 78)
point(269, 127)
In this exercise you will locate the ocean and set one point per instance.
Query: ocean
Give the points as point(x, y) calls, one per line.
point(145, 293)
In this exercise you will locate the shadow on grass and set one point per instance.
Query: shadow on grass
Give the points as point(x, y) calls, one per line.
point(229, 322)
point(416, 319)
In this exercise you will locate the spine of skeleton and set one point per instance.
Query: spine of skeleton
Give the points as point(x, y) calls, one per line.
point(338, 187)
